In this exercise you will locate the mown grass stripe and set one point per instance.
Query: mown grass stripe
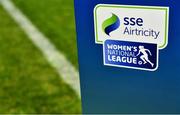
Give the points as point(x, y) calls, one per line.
point(54, 57)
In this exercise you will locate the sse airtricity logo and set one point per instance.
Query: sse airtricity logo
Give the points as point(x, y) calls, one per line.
point(111, 24)
point(148, 24)
point(131, 35)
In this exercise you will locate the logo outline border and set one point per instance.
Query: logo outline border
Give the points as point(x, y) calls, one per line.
point(166, 8)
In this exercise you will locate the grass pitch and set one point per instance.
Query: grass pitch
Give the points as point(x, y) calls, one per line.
point(28, 84)
point(54, 18)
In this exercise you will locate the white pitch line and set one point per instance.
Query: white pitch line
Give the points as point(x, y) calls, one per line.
point(55, 58)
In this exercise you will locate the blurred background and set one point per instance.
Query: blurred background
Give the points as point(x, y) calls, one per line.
point(28, 82)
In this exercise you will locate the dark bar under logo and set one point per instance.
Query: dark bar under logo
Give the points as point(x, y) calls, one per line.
point(133, 55)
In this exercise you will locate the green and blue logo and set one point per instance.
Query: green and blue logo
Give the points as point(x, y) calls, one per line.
point(111, 24)
point(130, 35)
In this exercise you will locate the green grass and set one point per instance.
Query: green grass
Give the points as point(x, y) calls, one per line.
point(55, 18)
point(27, 82)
